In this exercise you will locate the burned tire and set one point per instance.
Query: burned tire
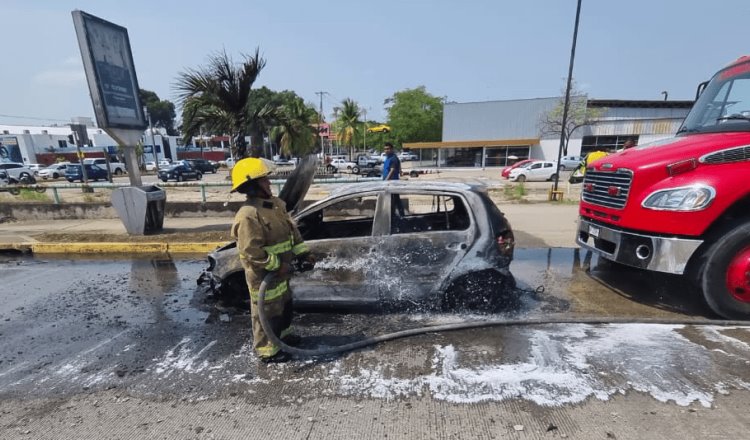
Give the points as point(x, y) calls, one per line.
point(725, 278)
point(234, 292)
point(486, 291)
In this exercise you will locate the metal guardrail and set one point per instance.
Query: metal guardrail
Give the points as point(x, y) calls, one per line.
point(199, 184)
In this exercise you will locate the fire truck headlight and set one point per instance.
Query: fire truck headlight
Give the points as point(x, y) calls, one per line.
point(689, 198)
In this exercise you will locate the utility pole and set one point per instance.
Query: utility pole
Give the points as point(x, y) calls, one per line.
point(567, 96)
point(320, 121)
point(364, 132)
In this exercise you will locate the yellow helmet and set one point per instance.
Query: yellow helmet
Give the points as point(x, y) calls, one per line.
point(250, 168)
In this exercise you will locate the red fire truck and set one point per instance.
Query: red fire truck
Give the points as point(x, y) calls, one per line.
point(682, 205)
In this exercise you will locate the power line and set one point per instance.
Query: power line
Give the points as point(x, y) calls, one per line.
point(34, 118)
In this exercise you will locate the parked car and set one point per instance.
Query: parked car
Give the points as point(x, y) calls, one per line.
point(18, 172)
point(202, 165)
point(343, 164)
point(180, 171)
point(115, 167)
point(165, 163)
point(378, 244)
point(405, 156)
point(229, 163)
point(570, 162)
point(54, 171)
point(506, 171)
point(535, 171)
point(150, 166)
point(35, 167)
point(74, 172)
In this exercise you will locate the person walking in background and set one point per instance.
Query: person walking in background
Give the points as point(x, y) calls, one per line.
point(391, 165)
point(392, 171)
point(267, 241)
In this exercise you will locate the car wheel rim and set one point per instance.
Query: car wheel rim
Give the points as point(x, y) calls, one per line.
point(738, 275)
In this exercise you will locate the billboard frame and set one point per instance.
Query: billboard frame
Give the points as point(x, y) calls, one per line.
point(99, 39)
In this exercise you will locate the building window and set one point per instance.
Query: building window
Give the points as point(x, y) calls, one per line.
point(605, 143)
point(62, 144)
point(504, 156)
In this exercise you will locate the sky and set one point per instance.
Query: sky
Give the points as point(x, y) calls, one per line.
point(463, 51)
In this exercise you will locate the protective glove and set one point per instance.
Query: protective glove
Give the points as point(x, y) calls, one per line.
point(304, 262)
point(284, 270)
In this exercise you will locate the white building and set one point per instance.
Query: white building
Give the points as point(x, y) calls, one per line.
point(494, 133)
point(47, 144)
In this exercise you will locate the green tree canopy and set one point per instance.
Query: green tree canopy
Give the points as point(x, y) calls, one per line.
point(294, 130)
point(415, 116)
point(216, 97)
point(162, 112)
point(348, 125)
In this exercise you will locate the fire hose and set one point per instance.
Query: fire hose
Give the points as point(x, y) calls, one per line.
point(372, 340)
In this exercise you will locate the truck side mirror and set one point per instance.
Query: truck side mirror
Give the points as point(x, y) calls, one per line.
point(701, 88)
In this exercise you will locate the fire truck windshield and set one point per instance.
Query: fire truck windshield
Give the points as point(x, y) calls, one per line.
point(724, 105)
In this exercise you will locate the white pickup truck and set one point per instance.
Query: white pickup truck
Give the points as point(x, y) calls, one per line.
point(115, 168)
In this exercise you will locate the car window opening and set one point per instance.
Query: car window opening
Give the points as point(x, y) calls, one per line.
point(428, 213)
point(348, 218)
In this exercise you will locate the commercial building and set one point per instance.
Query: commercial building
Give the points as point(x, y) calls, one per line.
point(496, 133)
point(50, 144)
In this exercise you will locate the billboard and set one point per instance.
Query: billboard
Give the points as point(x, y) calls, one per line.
point(9, 150)
point(110, 72)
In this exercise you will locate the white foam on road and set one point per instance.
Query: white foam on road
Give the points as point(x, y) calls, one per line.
point(566, 365)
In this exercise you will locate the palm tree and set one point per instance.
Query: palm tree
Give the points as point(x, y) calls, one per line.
point(294, 128)
point(216, 97)
point(348, 123)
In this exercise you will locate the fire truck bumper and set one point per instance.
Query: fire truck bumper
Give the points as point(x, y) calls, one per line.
point(660, 254)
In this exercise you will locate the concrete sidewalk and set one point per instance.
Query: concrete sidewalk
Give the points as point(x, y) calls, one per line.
point(535, 225)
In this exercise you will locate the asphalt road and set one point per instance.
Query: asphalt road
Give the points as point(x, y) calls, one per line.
point(133, 348)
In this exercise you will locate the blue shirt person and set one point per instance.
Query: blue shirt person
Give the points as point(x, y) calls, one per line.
point(391, 166)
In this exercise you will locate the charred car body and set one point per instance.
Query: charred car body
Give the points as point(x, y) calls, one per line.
point(381, 244)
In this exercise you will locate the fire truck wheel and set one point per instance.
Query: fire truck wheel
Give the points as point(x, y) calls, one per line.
point(726, 277)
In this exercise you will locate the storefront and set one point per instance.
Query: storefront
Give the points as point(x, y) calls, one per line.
point(472, 154)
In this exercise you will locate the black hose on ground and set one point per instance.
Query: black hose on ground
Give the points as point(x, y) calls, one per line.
point(324, 351)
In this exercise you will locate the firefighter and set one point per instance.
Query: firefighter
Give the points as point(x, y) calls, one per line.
point(267, 241)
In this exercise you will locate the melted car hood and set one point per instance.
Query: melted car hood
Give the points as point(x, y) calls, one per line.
point(299, 181)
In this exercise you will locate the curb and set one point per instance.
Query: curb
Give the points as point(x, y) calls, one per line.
point(113, 248)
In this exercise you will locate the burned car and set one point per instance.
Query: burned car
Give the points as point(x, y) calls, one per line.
point(444, 245)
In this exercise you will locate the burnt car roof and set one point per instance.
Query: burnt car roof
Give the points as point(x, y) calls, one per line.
point(391, 184)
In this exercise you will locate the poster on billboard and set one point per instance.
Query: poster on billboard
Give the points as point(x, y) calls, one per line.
point(110, 72)
point(9, 150)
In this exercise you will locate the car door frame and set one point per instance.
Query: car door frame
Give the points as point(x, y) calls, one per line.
point(418, 263)
point(342, 275)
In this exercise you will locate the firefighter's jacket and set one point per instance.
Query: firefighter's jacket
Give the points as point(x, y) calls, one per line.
point(266, 237)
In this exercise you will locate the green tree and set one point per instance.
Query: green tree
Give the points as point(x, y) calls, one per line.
point(294, 130)
point(348, 125)
point(162, 112)
point(264, 111)
point(415, 116)
point(217, 97)
point(579, 115)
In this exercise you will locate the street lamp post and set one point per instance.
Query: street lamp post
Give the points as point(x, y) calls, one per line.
point(567, 96)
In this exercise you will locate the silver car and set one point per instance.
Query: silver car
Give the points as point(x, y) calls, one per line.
point(444, 245)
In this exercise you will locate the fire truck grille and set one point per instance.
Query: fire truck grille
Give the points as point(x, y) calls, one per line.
point(737, 154)
point(607, 188)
